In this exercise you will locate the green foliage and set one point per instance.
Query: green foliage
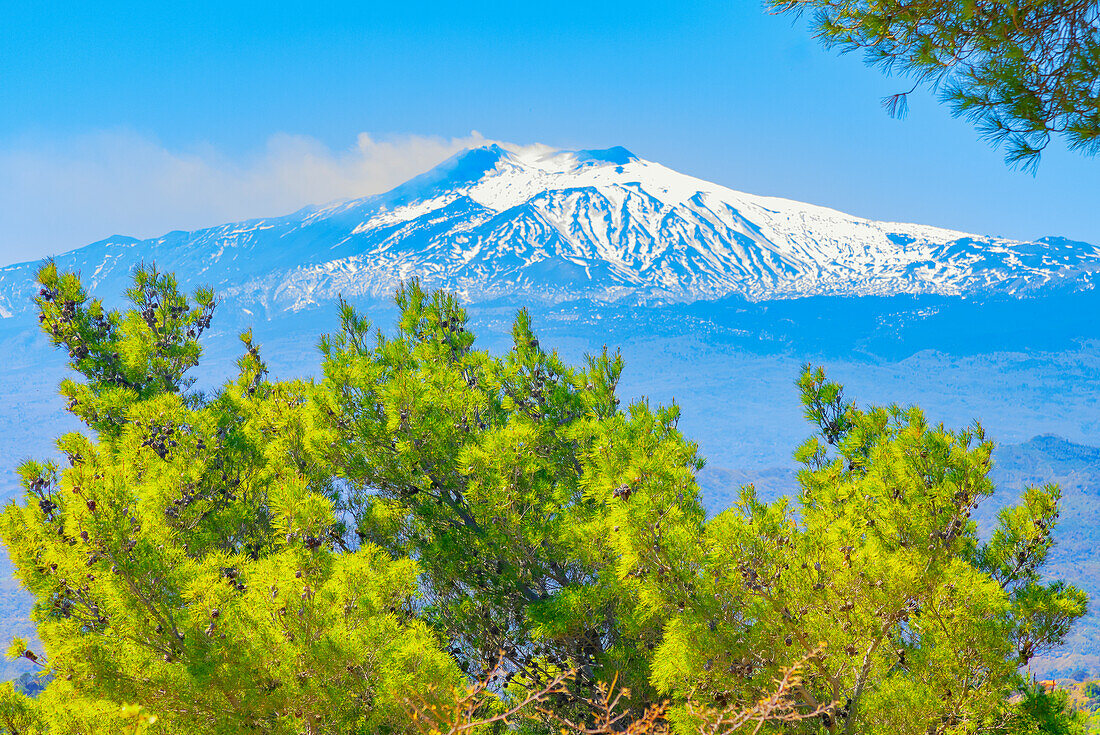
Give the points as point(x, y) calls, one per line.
point(1021, 71)
point(880, 563)
point(507, 479)
point(18, 713)
point(186, 559)
point(301, 556)
point(1043, 712)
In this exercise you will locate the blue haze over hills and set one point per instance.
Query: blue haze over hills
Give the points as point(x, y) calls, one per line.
point(714, 296)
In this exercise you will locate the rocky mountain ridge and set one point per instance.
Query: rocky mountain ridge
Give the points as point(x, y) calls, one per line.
point(552, 226)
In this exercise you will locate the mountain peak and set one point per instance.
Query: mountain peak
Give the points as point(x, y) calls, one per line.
point(462, 169)
point(616, 155)
point(554, 160)
point(544, 224)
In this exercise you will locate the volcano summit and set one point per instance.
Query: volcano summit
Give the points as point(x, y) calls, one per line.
point(549, 226)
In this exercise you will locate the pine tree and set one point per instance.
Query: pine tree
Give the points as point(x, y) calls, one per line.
point(876, 573)
point(504, 476)
point(429, 529)
point(185, 560)
point(1022, 71)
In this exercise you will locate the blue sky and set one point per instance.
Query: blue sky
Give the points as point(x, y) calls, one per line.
point(138, 119)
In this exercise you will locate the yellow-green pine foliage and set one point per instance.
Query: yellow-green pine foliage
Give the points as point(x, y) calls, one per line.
point(188, 559)
point(506, 478)
point(303, 556)
point(876, 578)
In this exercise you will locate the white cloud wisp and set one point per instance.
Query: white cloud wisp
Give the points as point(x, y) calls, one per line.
point(56, 197)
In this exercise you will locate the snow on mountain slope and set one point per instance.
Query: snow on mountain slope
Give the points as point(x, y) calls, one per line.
point(552, 225)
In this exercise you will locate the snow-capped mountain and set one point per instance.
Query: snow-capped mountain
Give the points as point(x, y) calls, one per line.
point(551, 226)
point(606, 231)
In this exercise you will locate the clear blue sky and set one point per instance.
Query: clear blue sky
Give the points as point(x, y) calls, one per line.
point(720, 90)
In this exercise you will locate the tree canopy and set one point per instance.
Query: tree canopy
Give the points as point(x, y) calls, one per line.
point(1023, 71)
point(432, 538)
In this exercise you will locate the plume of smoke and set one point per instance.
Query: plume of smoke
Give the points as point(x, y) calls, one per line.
point(58, 196)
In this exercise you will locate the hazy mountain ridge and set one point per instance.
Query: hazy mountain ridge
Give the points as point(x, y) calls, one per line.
point(555, 226)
